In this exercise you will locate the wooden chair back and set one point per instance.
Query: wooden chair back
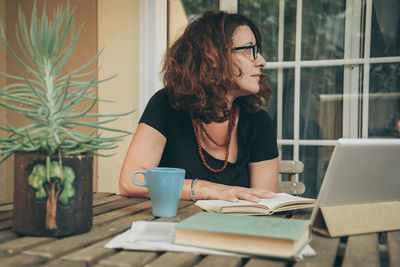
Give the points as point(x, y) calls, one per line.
point(291, 167)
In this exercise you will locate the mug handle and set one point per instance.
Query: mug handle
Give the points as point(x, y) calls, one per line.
point(136, 182)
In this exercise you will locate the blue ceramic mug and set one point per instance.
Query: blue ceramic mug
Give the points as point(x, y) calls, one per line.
point(165, 188)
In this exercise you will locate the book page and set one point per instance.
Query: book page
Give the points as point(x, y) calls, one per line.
point(267, 203)
point(284, 199)
point(217, 205)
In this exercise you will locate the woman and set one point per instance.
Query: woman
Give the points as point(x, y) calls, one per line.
point(208, 118)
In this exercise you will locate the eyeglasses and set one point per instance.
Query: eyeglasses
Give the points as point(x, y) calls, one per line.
point(256, 49)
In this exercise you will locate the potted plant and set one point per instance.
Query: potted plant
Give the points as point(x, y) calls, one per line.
point(54, 151)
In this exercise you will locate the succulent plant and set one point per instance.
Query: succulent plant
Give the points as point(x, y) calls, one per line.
point(50, 98)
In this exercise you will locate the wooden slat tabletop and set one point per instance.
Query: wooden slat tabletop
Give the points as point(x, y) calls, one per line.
point(113, 214)
point(393, 243)
point(362, 250)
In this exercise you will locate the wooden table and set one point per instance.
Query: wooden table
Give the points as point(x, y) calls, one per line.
point(114, 214)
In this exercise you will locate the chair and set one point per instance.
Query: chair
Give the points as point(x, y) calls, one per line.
point(291, 167)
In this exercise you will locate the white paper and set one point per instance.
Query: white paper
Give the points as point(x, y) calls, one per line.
point(156, 236)
point(160, 236)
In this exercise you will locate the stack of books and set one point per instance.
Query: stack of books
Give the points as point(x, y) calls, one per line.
point(257, 235)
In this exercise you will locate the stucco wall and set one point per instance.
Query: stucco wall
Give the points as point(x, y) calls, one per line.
point(6, 182)
point(118, 34)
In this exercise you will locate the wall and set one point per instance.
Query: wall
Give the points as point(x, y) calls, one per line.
point(6, 170)
point(177, 22)
point(118, 27)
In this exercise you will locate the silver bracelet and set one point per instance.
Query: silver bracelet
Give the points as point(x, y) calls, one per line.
point(192, 189)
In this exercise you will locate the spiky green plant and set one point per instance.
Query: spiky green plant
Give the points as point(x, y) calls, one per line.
point(48, 98)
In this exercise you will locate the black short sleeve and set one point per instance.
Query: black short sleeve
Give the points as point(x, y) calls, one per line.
point(263, 144)
point(157, 112)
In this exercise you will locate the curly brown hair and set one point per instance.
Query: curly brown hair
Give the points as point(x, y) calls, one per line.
point(197, 70)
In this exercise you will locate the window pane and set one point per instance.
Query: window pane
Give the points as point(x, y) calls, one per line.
point(288, 104)
point(321, 103)
point(385, 32)
point(384, 101)
point(272, 77)
point(323, 29)
point(316, 160)
point(265, 13)
point(285, 153)
point(195, 7)
point(180, 12)
point(287, 99)
point(289, 40)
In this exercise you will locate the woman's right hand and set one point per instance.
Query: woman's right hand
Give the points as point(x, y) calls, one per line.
point(144, 152)
point(208, 190)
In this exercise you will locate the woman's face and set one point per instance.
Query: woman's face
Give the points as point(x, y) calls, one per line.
point(249, 69)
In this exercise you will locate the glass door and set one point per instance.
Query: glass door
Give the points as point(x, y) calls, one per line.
point(333, 66)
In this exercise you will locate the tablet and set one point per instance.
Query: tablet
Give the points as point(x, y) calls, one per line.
point(361, 171)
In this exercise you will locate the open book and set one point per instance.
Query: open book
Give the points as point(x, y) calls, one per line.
point(282, 202)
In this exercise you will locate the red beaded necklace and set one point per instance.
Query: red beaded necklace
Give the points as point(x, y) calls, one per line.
point(199, 124)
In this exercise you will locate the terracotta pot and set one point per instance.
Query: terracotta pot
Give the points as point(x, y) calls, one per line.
point(51, 202)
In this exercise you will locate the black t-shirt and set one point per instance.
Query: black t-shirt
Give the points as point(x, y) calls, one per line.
point(256, 142)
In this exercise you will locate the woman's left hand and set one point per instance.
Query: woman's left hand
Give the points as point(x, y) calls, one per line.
point(209, 190)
